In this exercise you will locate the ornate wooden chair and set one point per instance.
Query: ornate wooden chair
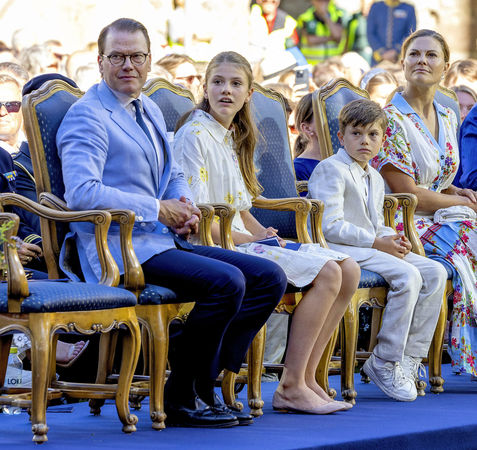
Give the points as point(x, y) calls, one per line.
point(327, 103)
point(173, 100)
point(42, 308)
point(43, 111)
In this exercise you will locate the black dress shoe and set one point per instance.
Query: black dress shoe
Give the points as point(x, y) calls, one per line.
point(243, 417)
point(197, 415)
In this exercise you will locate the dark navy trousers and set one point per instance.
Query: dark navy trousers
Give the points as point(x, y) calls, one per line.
point(234, 294)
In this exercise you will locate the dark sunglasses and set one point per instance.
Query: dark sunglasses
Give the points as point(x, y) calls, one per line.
point(11, 107)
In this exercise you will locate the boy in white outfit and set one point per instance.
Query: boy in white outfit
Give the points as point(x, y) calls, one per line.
point(353, 223)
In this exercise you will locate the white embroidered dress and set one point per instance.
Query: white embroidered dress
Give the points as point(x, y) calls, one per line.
point(206, 151)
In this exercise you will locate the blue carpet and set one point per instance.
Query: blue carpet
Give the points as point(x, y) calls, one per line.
point(444, 421)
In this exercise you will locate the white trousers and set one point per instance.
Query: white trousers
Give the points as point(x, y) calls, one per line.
point(416, 290)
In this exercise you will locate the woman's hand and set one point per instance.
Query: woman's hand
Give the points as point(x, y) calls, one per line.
point(469, 193)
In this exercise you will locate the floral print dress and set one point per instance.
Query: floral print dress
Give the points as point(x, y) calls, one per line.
point(207, 154)
point(410, 147)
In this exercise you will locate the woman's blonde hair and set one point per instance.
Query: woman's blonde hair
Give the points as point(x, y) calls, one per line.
point(245, 131)
point(303, 114)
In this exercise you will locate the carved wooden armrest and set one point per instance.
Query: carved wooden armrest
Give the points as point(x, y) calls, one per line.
point(100, 219)
point(17, 288)
point(205, 225)
point(133, 274)
point(301, 186)
point(300, 205)
point(225, 213)
point(408, 203)
point(390, 206)
point(316, 218)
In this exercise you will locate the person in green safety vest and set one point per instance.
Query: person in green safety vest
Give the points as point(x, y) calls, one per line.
point(274, 23)
point(322, 31)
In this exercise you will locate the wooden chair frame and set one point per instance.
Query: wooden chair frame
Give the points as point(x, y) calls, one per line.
point(41, 327)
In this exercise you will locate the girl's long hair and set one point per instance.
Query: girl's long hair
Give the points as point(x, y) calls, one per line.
point(303, 114)
point(245, 131)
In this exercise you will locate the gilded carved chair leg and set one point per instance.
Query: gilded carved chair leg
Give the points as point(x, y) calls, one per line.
point(145, 349)
point(323, 367)
point(376, 319)
point(40, 361)
point(349, 338)
point(105, 348)
point(435, 351)
point(135, 401)
point(158, 330)
point(5, 342)
point(130, 355)
point(228, 389)
point(255, 364)
point(54, 344)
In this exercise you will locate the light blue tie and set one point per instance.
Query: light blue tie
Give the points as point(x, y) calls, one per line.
point(140, 120)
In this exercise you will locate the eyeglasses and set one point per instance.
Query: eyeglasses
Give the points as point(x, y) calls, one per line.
point(11, 107)
point(190, 78)
point(118, 59)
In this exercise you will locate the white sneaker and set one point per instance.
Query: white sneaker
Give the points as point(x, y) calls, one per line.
point(390, 378)
point(413, 368)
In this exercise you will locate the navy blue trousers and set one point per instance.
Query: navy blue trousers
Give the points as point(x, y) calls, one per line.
point(234, 295)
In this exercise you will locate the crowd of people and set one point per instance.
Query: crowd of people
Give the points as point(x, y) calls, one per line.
point(116, 153)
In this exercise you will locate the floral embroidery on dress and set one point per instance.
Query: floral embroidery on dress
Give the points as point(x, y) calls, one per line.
point(203, 174)
point(229, 198)
point(434, 168)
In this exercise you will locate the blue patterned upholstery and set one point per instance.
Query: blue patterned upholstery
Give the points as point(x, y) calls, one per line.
point(273, 161)
point(51, 296)
point(50, 113)
point(371, 279)
point(448, 101)
point(172, 104)
point(333, 105)
point(157, 295)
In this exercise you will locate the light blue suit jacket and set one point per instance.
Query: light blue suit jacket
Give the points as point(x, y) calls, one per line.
point(108, 162)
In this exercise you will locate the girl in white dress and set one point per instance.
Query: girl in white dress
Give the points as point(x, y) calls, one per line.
point(216, 147)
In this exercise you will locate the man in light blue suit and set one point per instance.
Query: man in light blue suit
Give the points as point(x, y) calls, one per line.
point(115, 154)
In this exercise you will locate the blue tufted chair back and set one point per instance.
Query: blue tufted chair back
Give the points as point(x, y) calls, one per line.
point(448, 98)
point(327, 104)
point(273, 158)
point(43, 111)
point(173, 100)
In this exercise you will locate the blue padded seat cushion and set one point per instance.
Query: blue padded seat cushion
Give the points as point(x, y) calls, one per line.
point(371, 279)
point(368, 280)
point(158, 295)
point(50, 296)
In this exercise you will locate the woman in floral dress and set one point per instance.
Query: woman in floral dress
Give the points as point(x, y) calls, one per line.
point(420, 156)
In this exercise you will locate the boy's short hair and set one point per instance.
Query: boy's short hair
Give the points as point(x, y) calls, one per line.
point(362, 112)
